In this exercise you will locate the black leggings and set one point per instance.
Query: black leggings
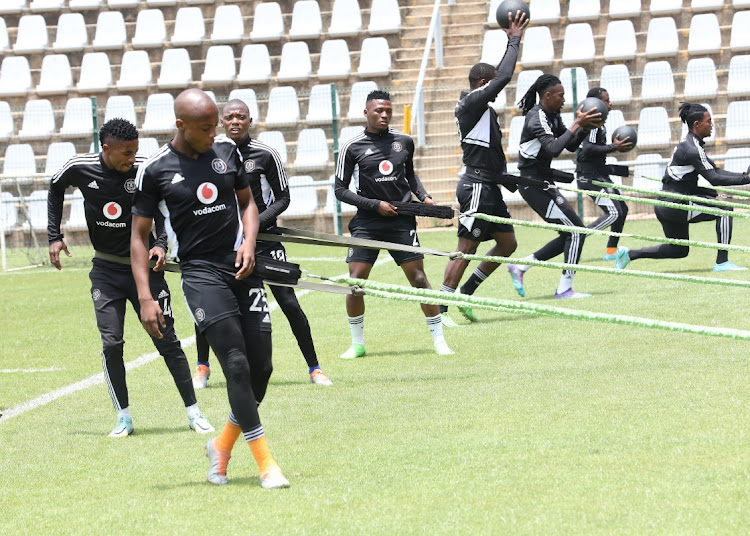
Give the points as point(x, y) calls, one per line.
point(615, 211)
point(245, 357)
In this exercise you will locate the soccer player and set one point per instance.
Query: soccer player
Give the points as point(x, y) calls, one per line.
point(592, 166)
point(688, 161)
point(270, 191)
point(384, 157)
point(106, 180)
point(543, 137)
point(215, 222)
point(478, 189)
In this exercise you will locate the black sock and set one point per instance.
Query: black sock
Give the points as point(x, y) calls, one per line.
point(473, 282)
point(445, 288)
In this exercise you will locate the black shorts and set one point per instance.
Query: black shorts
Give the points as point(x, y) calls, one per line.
point(407, 237)
point(212, 294)
point(275, 250)
point(485, 198)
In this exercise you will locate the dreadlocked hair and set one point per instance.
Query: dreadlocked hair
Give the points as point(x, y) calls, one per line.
point(596, 92)
point(378, 95)
point(117, 129)
point(691, 112)
point(542, 84)
point(479, 71)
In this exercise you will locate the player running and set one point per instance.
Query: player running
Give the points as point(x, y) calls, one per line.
point(215, 222)
point(106, 180)
point(386, 173)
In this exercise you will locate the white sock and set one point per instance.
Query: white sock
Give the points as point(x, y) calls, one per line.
point(192, 410)
point(357, 327)
point(435, 323)
point(124, 411)
point(525, 267)
point(566, 283)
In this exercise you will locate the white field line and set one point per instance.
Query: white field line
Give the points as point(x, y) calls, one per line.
point(25, 370)
point(98, 379)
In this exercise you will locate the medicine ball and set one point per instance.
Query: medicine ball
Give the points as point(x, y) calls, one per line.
point(592, 102)
point(626, 132)
point(510, 6)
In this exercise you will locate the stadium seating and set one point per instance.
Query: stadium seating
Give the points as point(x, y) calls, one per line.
point(38, 120)
point(122, 4)
point(255, 65)
point(15, 76)
point(219, 67)
point(582, 84)
point(738, 122)
point(159, 114)
point(19, 160)
point(12, 7)
point(358, 98)
point(624, 8)
point(77, 217)
point(304, 197)
point(653, 128)
point(335, 60)
point(348, 133)
point(4, 39)
point(176, 71)
point(147, 147)
point(312, 150)
point(296, 64)
point(36, 205)
point(706, 5)
point(739, 40)
point(737, 159)
point(228, 26)
point(71, 33)
point(135, 71)
point(56, 77)
point(545, 11)
point(514, 136)
point(616, 80)
point(620, 42)
point(662, 38)
point(500, 102)
point(189, 28)
point(161, 2)
point(330, 206)
point(306, 20)
point(375, 57)
point(493, 47)
point(283, 107)
point(537, 49)
point(700, 80)
point(648, 165)
point(8, 211)
point(77, 122)
point(6, 121)
point(491, 20)
point(82, 5)
point(110, 31)
point(524, 81)
point(268, 23)
point(32, 35)
point(248, 97)
point(275, 139)
point(615, 119)
point(150, 29)
point(740, 3)
point(665, 7)
point(579, 10)
point(658, 82)
point(121, 106)
point(96, 73)
point(738, 80)
point(705, 34)
point(346, 19)
point(385, 17)
point(57, 155)
point(319, 109)
point(578, 46)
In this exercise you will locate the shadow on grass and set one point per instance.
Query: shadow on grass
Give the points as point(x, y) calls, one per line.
point(245, 481)
point(139, 431)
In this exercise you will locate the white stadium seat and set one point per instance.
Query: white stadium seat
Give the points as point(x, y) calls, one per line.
point(385, 17)
point(583, 10)
point(255, 65)
point(738, 122)
point(135, 70)
point(514, 136)
point(319, 110)
point(658, 82)
point(578, 46)
point(228, 29)
point(648, 165)
point(493, 47)
point(12, 7)
point(375, 57)
point(46, 6)
point(32, 35)
point(619, 42)
point(19, 160)
point(524, 81)
point(653, 128)
point(706, 5)
point(335, 60)
point(6, 121)
point(500, 102)
point(77, 122)
point(296, 64)
point(665, 7)
point(737, 159)
point(740, 37)
point(15, 76)
point(36, 205)
point(615, 119)
point(147, 146)
point(283, 107)
point(57, 155)
point(38, 120)
point(701, 81)
point(357, 100)
point(56, 77)
point(740, 3)
point(616, 80)
point(110, 31)
point(275, 139)
point(662, 38)
point(268, 23)
point(9, 213)
point(82, 5)
point(712, 138)
point(4, 39)
point(545, 11)
point(346, 18)
point(304, 197)
point(161, 3)
point(121, 106)
point(71, 33)
point(491, 20)
point(189, 28)
point(96, 73)
point(582, 84)
point(219, 67)
point(330, 206)
point(348, 133)
point(150, 29)
point(312, 150)
point(537, 49)
point(306, 20)
point(248, 97)
point(77, 216)
point(705, 34)
point(738, 81)
point(176, 71)
point(159, 114)
point(122, 4)
point(619, 9)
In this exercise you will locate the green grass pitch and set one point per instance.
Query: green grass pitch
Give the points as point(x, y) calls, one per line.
point(535, 426)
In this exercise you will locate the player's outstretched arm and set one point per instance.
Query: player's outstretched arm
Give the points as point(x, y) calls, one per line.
point(151, 314)
point(245, 260)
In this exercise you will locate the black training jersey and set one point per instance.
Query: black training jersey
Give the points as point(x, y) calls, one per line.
point(386, 173)
point(689, 160)
point(197, 196)
point(268, 183)
point(544, 136)
point(107, 200)
point(594, 151)
point(478, 129)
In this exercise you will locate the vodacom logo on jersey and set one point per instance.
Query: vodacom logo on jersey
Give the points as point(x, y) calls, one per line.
point(207, 193)
point(112, 210)
point(385, 167)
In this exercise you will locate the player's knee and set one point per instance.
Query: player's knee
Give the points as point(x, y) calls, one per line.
point(680, 252)
point(623, 211)
point(237, 368)
point(508, 247)
point(112, 350)
point(419, 280)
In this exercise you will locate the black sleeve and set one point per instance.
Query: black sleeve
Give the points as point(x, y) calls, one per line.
point(589, 147)
point(344, 170)
point(540, 128)
point(696, 156)
point(415, 185)
point(161, 231)
point(241, 180)
point(55, 200)
point(505, 69)
point(276, 178)
point(146, 198)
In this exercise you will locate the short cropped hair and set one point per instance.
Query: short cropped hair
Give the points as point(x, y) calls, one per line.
point(117, 129)
point(378, 94)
